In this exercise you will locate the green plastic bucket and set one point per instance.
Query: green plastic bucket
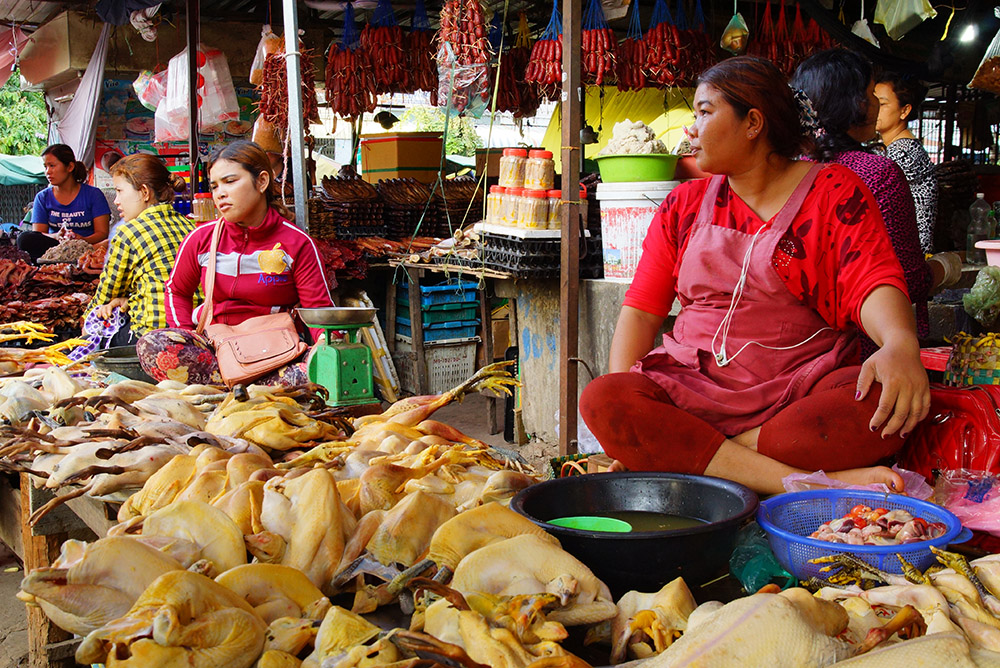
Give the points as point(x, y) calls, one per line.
point(642, 167)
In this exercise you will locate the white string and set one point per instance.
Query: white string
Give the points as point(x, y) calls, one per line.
point(721, 357)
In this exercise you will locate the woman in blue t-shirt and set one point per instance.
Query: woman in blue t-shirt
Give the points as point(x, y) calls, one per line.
point(68, 208)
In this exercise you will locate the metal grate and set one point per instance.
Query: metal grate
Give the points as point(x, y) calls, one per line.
point(956, 122)
point(13, 199)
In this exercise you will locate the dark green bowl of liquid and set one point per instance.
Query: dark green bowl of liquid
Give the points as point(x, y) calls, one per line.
point(681, 525)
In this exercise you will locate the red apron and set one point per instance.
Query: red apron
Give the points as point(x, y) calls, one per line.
point(757, 382)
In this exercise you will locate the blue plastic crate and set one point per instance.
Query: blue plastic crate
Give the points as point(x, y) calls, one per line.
point(440, 331)
point(444, 312)
point(445, 293)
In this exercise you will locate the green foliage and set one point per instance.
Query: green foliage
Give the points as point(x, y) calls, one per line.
point(462, 137)
point(23, 129)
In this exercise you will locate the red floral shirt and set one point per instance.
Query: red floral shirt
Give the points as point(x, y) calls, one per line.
point(835, 252)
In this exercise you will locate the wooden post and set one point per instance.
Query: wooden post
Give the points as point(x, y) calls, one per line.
point(193, 43)
point(47, 643)
point(486, 315)
point(417, 331)
point(569, 275)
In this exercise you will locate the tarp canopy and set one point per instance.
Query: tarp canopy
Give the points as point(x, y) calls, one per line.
point(666, 112)
point(16, 170)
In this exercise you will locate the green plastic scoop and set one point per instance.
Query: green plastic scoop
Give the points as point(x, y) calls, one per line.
point(592, 523)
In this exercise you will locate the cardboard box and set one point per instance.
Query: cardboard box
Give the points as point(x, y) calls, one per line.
point(488, 159)
point(398, 155)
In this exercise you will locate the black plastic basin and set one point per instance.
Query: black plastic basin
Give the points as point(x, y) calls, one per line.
point(647, 560)
point(123, 360)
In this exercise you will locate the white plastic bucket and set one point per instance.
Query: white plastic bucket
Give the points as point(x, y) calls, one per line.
point(626, 212)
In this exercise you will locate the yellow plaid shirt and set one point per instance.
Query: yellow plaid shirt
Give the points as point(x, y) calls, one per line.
point(139, 262)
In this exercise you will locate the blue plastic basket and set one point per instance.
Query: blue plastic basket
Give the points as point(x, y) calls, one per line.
point(789, 518)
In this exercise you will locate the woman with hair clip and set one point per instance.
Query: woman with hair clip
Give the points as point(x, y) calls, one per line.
point(899, 97)
point(142, 252)
point(264, 265)
point(68, 208)
point(840, 85)
point(777, 264)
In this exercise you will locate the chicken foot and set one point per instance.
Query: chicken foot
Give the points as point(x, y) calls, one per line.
point(908, 623)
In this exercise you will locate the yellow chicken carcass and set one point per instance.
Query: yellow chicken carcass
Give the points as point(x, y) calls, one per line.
point(290, 635)
point(276, 591)
point(528, 564)
point(272, 423)
point(221, 541)
point(648, 623)
point(165, 404)
point(931, 651)
point(307, 514)
point(181, 619)
point(340, 631)
point(92, 584)
point(406, 531)
point(163, 486)
point(243, 505)
point(790, 629)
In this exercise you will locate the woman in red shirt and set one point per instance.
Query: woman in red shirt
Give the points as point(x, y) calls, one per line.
point(264, 264)
point(776, 263)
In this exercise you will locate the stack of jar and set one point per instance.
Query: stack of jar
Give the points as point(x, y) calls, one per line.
point(204, 209)
point(524, 196)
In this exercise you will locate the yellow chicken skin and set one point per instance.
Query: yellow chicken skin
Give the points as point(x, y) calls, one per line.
point(92, 585)
point(221, 541)
point(527, 564)
point(276, 591)
point(307, 513)
point(163, 486)
point(646, 624)
point(181, 619)
point(340, 631)
point(243, 505)
point(405, 533)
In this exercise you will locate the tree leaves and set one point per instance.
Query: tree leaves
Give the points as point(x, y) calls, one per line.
point(23, 123)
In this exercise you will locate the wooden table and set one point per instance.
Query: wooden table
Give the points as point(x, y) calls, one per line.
point(39, 545)
point(414, 273)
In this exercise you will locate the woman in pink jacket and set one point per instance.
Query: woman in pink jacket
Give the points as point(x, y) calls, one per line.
point(264, 264)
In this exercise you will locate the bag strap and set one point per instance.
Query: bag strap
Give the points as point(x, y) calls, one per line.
point(205, 319)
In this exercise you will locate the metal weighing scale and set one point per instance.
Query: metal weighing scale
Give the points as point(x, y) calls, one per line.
point(342, 366)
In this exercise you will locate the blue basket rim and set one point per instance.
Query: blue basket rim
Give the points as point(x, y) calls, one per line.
point(768, 505)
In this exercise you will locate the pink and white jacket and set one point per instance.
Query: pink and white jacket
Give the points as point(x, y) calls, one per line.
point(270, 268)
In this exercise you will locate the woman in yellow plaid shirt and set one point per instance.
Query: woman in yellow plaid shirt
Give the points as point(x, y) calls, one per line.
point(144, 246)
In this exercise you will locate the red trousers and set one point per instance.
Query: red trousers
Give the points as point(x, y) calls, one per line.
point(636, 422)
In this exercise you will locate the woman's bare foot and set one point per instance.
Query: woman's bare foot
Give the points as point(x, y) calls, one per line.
point(870, 475)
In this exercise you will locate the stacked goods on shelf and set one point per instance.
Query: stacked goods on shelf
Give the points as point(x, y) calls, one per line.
point(347, 208)
point(460, 202)
point(404, 201)
point(450, 321)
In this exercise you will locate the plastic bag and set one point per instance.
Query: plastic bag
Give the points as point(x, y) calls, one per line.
point(754, 564)
point(901, 16)
point(914, 484)
point(973, 496)
point(216, 96)
point(463, 88)
point(864, 31)
point(734, 37)
point(150, 88)
point(983, 301)
point(269, 43)
point(987, 76)
point(586, 442)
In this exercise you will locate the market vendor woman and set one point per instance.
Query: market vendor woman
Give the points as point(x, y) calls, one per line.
point(68, 208)
point(142, 252)
point(264, 264)
point(777, 263)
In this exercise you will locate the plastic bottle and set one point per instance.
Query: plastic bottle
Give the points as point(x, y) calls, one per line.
point(980, 229)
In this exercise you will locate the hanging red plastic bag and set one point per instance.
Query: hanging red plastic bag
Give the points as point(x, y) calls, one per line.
point(734, 37)
point(901, 16)
point(150, 88)
point(269, 43)
point(987, 75)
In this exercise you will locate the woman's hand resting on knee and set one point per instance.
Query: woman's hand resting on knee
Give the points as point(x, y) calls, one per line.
point(906, 396)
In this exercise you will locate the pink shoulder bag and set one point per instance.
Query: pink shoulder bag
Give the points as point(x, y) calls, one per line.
point(254, 347)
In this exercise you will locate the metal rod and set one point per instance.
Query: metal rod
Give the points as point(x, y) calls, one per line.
point(296, 118)
point(569, 273)
point(193, 42)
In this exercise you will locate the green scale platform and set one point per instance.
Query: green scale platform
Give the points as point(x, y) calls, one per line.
point(342, 366)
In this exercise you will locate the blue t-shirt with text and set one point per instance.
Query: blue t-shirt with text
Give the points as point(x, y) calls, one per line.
point(78, 216)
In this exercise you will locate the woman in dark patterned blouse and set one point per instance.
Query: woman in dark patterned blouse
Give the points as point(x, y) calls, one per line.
point(899, 96)
point(842, 90)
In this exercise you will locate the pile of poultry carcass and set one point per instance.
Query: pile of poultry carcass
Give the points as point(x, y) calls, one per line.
point(235, 549)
